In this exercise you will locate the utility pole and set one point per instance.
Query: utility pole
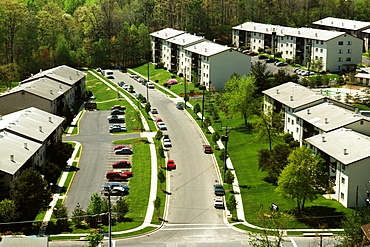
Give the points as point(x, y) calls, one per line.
point(225, 138)
point(203, 88)
point(109, 221)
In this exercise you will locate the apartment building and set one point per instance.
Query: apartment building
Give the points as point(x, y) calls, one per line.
point(335, 130)
point(337, 51)
point(359, 29)
point(25, 136)
point(196, 58)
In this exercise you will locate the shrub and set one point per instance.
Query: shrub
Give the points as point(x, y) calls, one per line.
point(196, 108)
point(278, 54)
point(181, 75)
point(165, 84)
point(215, 136)
point(159, 66)
point(260, 50)
point(289, 61)
point(159, 135)
point(268, 51)
point(197, 84)
point(172, 71)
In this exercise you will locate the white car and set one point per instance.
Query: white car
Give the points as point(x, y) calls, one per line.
point(218, 202)
point(161, 126)
point(109, 74)
point(126, 86)
point(167, 143)
point(154, 111)
point(150, 85)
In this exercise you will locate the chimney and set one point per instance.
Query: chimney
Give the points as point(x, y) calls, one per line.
point(25, 145)
point(51, 91)
point(183, 41)
point(291, 98)
point(345, 151)
point(60, 85)
point(1, 117)
point(326, 120)
point(356, 110)
point(12, 157)
point(308, 111)
point(50, 120)
point(277, 91)
point(323, 139)
point(40, 128)
point(205, 49)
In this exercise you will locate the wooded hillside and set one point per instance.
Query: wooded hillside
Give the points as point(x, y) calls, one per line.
point(40, 34)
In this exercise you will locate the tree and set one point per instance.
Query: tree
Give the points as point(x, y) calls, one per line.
point(94, 238)
point(78, 214)
point(303, 178)
point(96, 205)
point(229, 178)
point(148, 107)
point(61, 213)
point(158, 135)
point(215, 136)
point(231, 203)
point(50, 171)
point(269, 127)
point(353, 234)
point(8, 211)
point(121, 207)
point(161, 177)
point(196, 108)
point(29, 193)
point(157, 204)
point(261, 74)
point(239, 97)
point(317, 64)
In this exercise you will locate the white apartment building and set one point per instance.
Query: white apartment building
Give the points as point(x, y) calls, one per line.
point(193, 56)
point(359, 29)
point(338, 51)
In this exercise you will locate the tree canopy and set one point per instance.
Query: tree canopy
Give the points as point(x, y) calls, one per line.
point(303, 178)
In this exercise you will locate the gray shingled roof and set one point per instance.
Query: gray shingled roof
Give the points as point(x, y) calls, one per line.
point(327, 116)
point(207, 48)
point(185, 39)
point(20, 148)
point(43, 87)
point(32, 123)
point(293, 95)
point(342, 23)
point(166, 33)
point(344, 145)
point(61, 73)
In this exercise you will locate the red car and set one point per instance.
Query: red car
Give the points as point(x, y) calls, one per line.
point(158, 120)
point(122, 164)
point(121, 146)
point(116, 175)
point(171, 165)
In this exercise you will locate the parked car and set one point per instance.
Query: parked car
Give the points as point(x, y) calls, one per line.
point(126, 87)
point(167, 143)
point(161, 126)
point(120, 147)
point(109, 74)
point(180, 106)
point(158, 120)
point(124, 151)
point(118, 175)
point(171, 165)
point(166, 136)
point(119, 107)
point(117, 128)
point(117, 112)
point(271, 60)
point(115, 189)
point(296, 70)
point(262, 57)
point(122, 164)
point(150, 85)
point(121, 83)
point(207, 149)
point(306, 73)
point(116, 119)
point(251, 53)
point(279, 64)
point(154, 111)
point(219, 190)
point(218, 202)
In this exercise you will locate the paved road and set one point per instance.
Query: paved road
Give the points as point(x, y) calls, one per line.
point(96, 157)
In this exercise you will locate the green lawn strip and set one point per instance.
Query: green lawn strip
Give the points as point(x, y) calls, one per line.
point(163, 76)
point(71, 237)
point(40, 215)
point(139, 232)
point(161, 187)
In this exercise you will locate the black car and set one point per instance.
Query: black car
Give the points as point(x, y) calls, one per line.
point(116, 119)
point(180, 106)
point(271, 60)
point(262, 57)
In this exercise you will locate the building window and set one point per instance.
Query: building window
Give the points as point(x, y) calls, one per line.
point(282, 38)
point(348, 59)
point(317, 42)
point(343, 180)
point(340, 59)
point(286, 52)
point(322, 42)
point(349, 51)
point(317, 49)
point(339, 68)
point(340, 51)
point(343, 167)
point(321, 50)
point(291, 45)
point(320, 58)
point(291, 53)
point(340, 42)
point(361, 122)
point(342, 196)
point(349, 43)
point(297, 130)
point(316, 57)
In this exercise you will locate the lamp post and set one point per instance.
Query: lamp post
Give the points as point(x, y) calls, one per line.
point(225, 138)
point(185, 93)
point(109, 219)
point(147, 88)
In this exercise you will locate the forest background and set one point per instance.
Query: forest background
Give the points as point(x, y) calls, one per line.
point(41, 34)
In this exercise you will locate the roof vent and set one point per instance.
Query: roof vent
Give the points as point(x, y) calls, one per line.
point(323, 139)
point(70, 77)
point(183, 41)
point(205, 49)
point(12, 157)
point(315, 34)
point(1, 117)
point(60, 85)
point(51, 91)
point(326, 120)
point(345, 151)
point(299, 32)
point(40, 128)
point(50, 120)
point(25, 145)
point(277, 91)
point(291, 98)
point(308, 112)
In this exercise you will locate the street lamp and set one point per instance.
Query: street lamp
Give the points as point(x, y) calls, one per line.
point(203, 88)
point(109, 219)
point(225, 138)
